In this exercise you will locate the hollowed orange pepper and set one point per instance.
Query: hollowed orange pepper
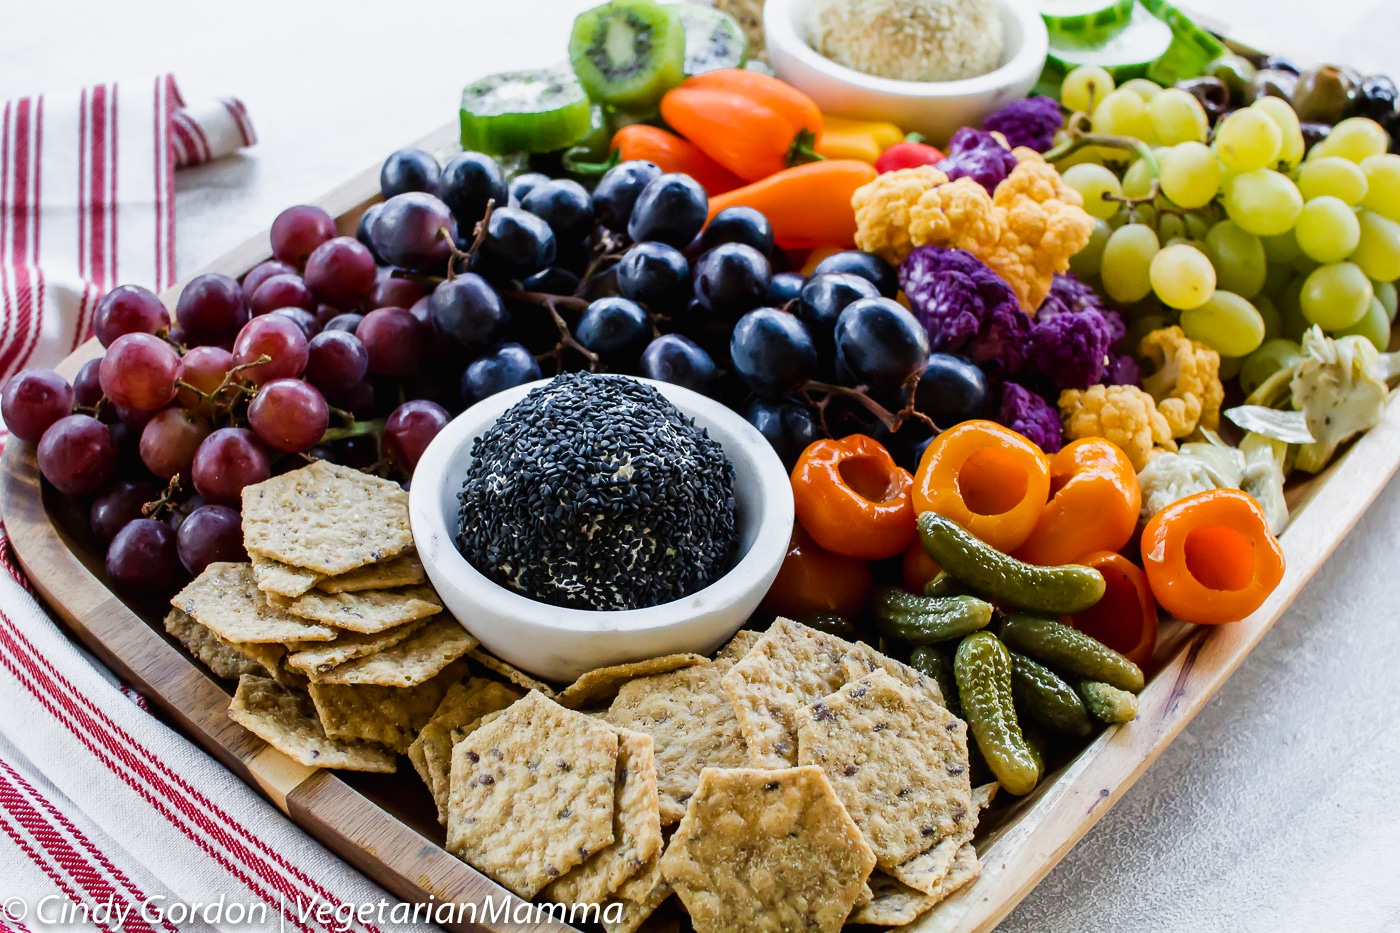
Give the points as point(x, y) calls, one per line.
point(987, 478)
point(1125, 619)
point(812, 579)
point(674, 154)
point(1210, 557)
point(853, 498)
point(918, 568)
point(1094, 504)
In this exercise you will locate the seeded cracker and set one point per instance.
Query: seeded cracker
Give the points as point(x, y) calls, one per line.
point(286, 720)
point(390, 716)
point(281, 579)
point(767, 850)
point(412, 661)
point(897, 760)
point(216, 654)
point(225, 599)
point(510, 672)
point(368, 612)
point(636, 829)
point(532, 794)
point(925, 872)
point(462, 708)
point(635, 913)
point(896, 904)
point(737, 647)
point(326, 518)
point(602, 684)
point(404, 570)
point(690, 718)
point(319, 657)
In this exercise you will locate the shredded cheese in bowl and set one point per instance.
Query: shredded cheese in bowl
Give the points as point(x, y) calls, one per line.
point(909, 40)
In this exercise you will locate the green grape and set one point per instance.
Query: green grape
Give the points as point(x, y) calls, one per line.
point(1386, 295)
point(1123, 113)
point(1304, 265)
point(1276, 279)
point(1332, 176)
point(1290, 308)
point(1238, 257)
point(1127, 259)
point(1230, 366)
point(1143, 88)
point(1273, 321)
point(1178, 117)
point(1327, 229)
point(1094, 182)
point(1197, 225)
point(1354, 139)
point(1137, 180)
point(1263, 202)
point(1182, 276)
point(1085, 87)
point(1248, 139)
point(1171, 228)
point(1144, 326)
point(1226, 323)
point(1086, 262)
point(1378, 248)
point(1272, 355)
point(1292, 144)
point(1383, 185)
point(1336, 295)
point(1374, 326)
point(1190, 174)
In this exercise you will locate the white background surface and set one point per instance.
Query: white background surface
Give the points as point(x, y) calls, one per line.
point(1277, 810)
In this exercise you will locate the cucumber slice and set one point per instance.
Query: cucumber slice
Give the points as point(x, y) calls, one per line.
point(713, 39)
point(1192, 48)
point(1127, 55)
point(524, 111)
point(1085, 22)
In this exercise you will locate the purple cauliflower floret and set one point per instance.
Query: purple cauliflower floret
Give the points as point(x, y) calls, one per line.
point(965, 307)
point(1027, 413)
point(977, 155)
point(1032, 122)
point(1122, 370)
point(1074, 334)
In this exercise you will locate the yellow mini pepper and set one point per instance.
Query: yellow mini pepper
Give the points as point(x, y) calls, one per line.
point(856, 139)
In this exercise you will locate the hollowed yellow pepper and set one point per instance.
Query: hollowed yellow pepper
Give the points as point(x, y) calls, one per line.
point(856, 139)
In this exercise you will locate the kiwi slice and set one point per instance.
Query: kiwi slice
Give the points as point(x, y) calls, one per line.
point(524, 111)
point(713, 39)
point(628, 53)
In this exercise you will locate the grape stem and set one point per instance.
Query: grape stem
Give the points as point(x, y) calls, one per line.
point(239, 388)
point(607, 248)
point(354, 428)
point(892, 421)
point(468, 258)
point(165, 502)
point(1080, 138)
point(567, 340)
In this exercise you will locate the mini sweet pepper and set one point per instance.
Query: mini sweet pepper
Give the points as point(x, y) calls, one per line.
point(853, 498)
point(1094, 504)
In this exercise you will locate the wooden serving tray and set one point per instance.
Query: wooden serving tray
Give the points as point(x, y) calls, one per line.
point(385, 825)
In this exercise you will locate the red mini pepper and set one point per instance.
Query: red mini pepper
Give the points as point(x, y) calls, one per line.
point(907, 155)
point(812, 579)
point(853, 498)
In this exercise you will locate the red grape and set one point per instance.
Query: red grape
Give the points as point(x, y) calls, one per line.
point(297, 232)
point(87, 385)
point(302, 318)
point(209, 534)
point(128, 309)
point(117, 507)
point(395, 339)
point(325, 314)
point(410, 428)
point(211, 310)
point(143, 559)
point(170, 439)
point(335, 361)
point(289, 415)
point(414, 230)
point(33, 400)
point(340, 271)
point(261, 273)
point(139, 372)
point(228, 460)
point(395, 291)
point(205, 369)
point(279, 339)
point(281, 291)
point(358, 399)
point(133, 418)
point(77, 455)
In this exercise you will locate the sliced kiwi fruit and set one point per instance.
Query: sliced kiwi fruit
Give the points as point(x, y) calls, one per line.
point(629, 52)
point(524, 111)
point(713, 39)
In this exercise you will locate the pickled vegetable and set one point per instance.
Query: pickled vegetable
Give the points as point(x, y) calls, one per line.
point(1107, 702)
point(1045, 698)
point(1071, 651)
point(944, 585)
point(982, 668)
point(922, 620)
point(936, 663)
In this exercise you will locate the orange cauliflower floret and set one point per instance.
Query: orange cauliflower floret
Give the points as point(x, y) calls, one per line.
point(1186, 381)
point(912, 207)
point(1123, 414)
point(1043, 223)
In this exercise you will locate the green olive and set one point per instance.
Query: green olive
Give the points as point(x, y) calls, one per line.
point(1235, 71)
point(1322, 94)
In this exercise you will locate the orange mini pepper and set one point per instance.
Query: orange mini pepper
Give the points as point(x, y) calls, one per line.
point(987, 478)
point(1094, 504)
point(809, 206)
point(853, 498)
point(1125, 619)
point(674, 154)
point(751, 123)
point(1210, 557)
point(918, 568)
point(812, 579)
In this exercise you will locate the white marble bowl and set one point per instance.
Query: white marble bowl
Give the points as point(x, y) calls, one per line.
point(934, 108)
point(560, 644)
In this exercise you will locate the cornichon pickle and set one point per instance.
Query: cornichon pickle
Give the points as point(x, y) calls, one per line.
point(1044, 697)
point(932, 662)
point(1070, 650)
point(922, 620)
point(944, 585)
point(1107, 702)
point(982, 668)
point(1052, 590)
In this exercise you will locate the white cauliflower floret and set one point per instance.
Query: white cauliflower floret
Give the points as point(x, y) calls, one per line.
point(909, 40)
point(1170, 477)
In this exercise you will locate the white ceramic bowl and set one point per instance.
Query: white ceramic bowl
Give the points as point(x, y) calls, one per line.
point(935, 108)
point(560, 644)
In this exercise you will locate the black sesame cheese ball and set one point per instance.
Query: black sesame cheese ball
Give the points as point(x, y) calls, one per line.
point(595, 492)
